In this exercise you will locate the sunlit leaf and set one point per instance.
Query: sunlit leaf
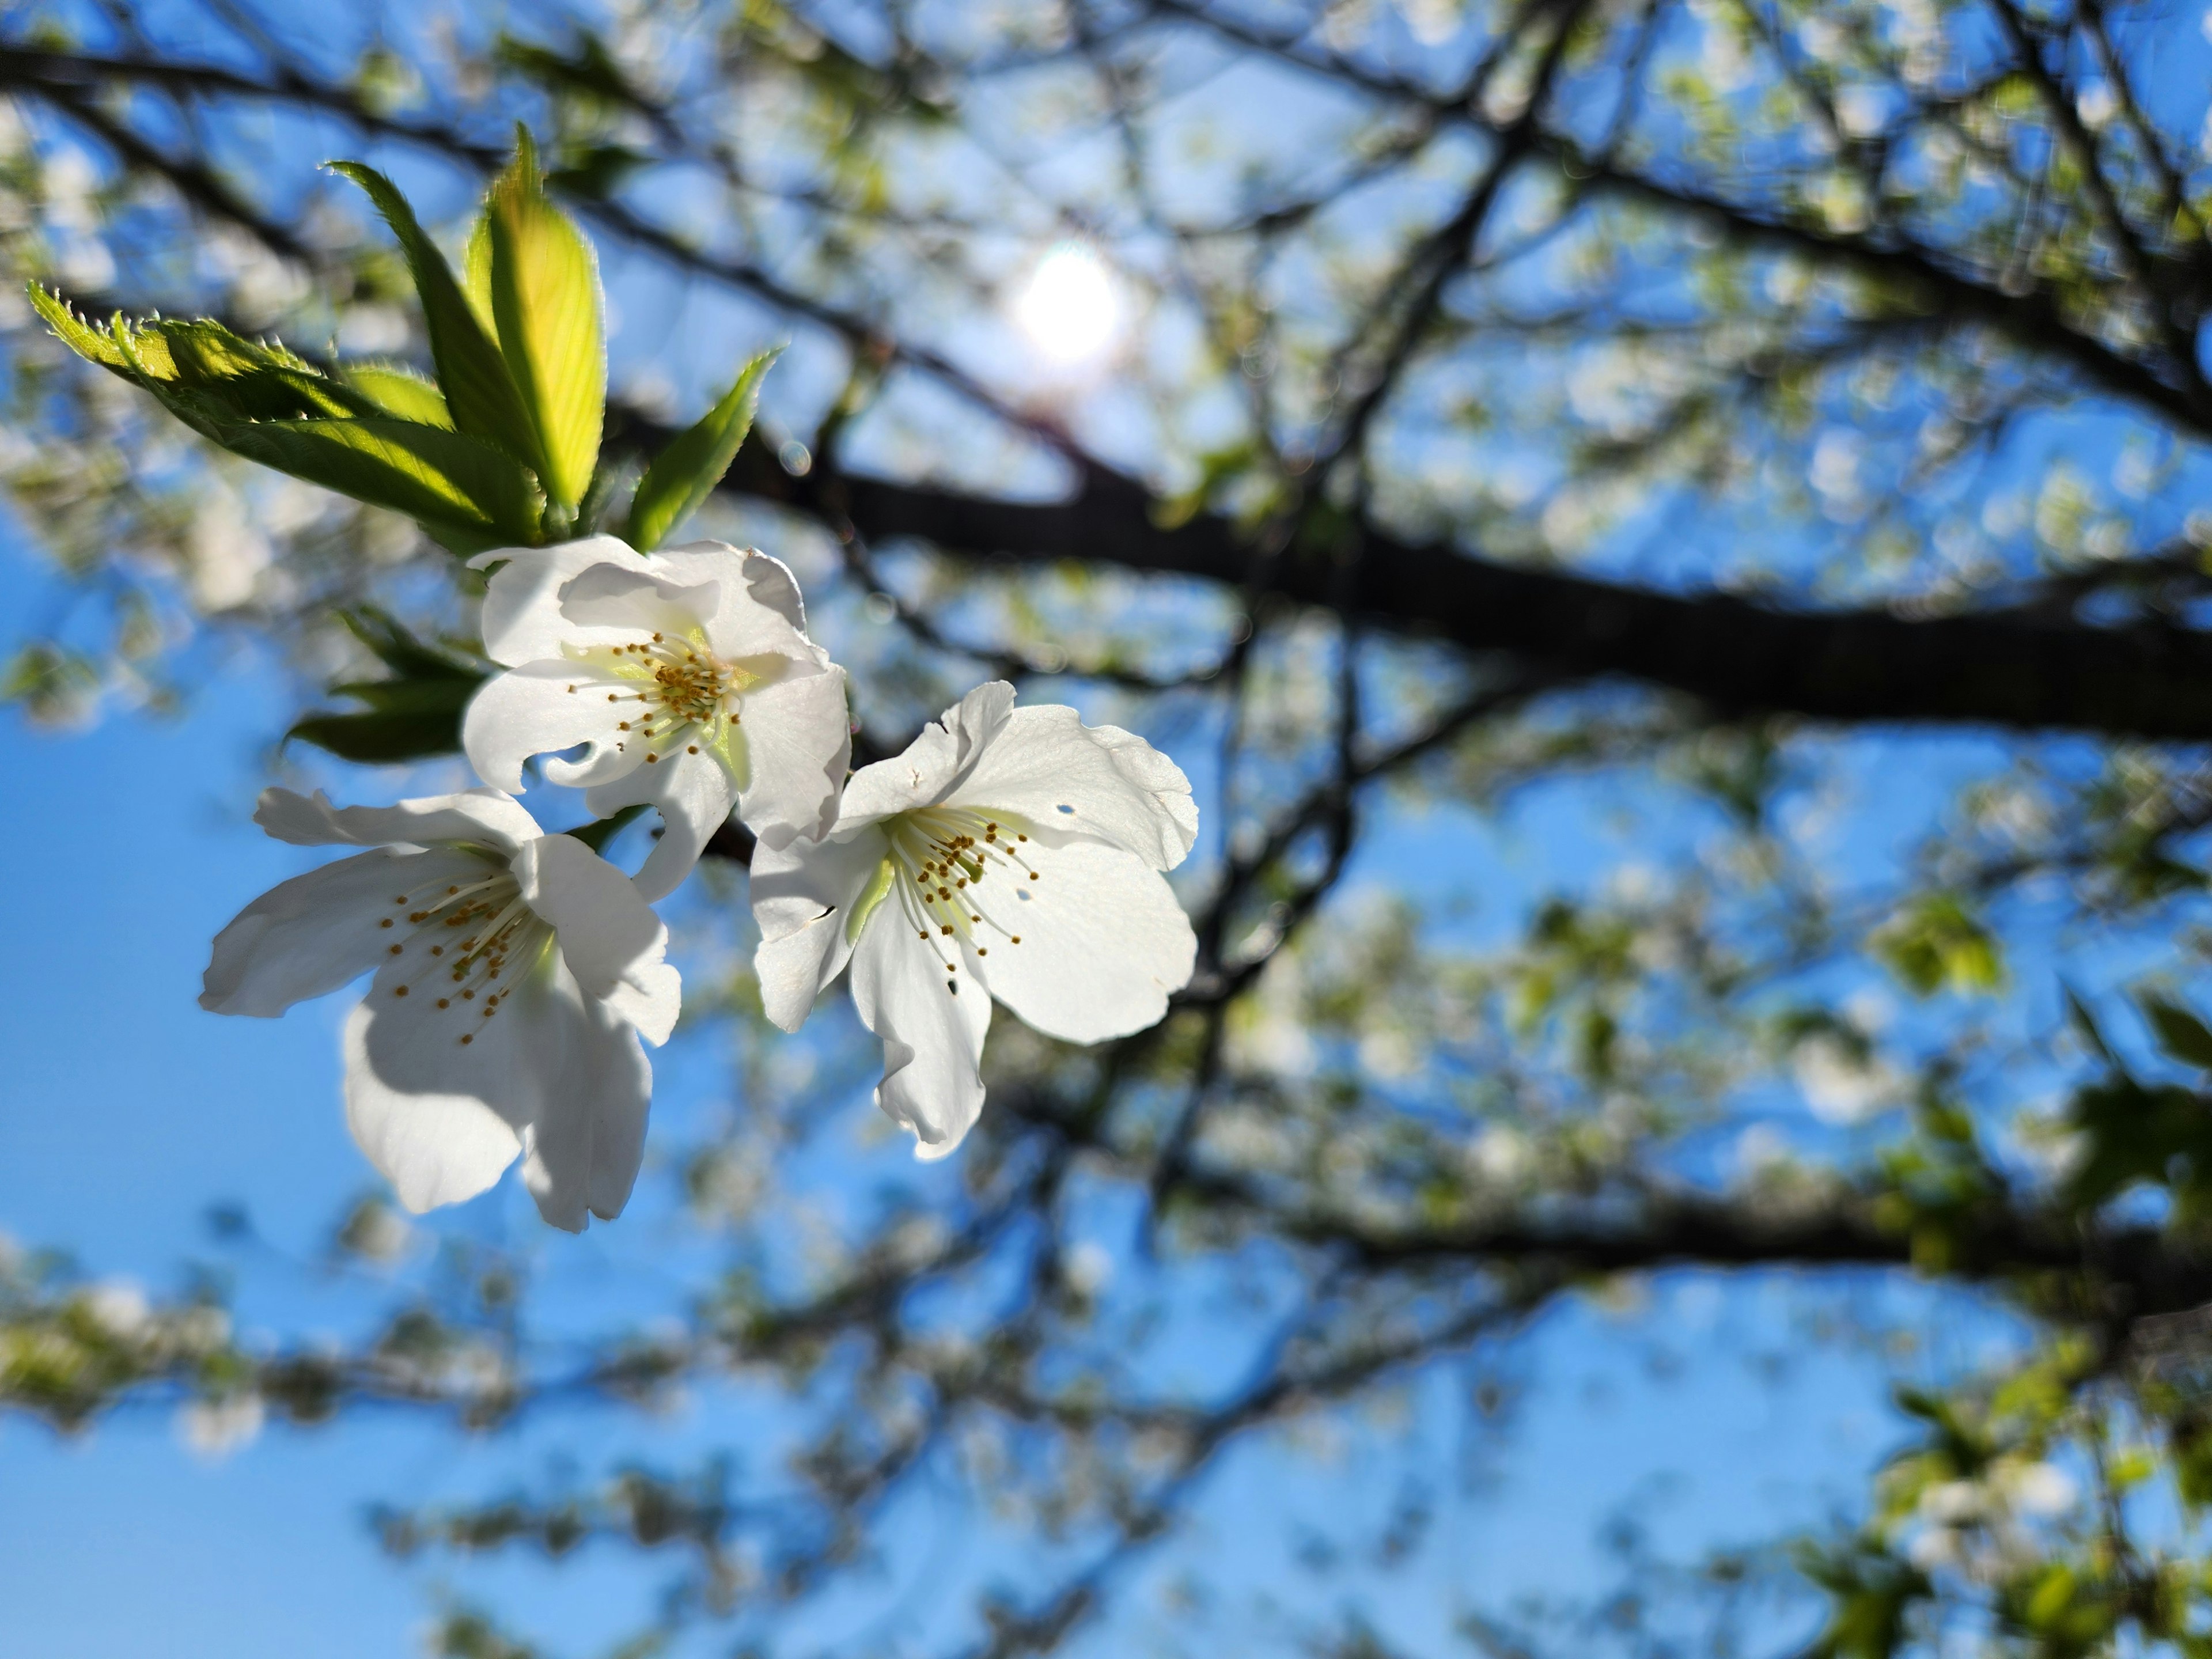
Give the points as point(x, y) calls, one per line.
point(401, 392)
point(545, 298)
point(448, 481)
point(227, 377)
point(685, 473)
point(479, 390)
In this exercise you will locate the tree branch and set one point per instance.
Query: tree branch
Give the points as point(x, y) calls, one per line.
point(2006, 668)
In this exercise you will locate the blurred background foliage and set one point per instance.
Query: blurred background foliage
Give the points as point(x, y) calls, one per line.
point(1751, 452)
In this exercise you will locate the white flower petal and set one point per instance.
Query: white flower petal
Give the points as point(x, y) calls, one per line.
point(977, 717)
point(933, 763)
point(583, 1151)
point(488, 816)
point(1161, 778)
point(761, 610)
point(795, 970)
point(915, 778)
point(544, 707)
point(522, 620)
point(793, 883)
point(1044, 765)
point(694, 795)
point(417, 1112)
point(1104, 944)
point(933, 1037)
point(553, 1075)
point(612, 942)
point(802, 896)
point(615, 596)
point(307, 937)
point(799, 738)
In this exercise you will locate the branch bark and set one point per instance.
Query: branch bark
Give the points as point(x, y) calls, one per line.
point(2003, 668)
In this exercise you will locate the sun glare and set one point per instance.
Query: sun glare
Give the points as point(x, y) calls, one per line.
point(1070, 308)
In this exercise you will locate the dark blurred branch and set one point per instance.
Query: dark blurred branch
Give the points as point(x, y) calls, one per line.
point(2000, 668)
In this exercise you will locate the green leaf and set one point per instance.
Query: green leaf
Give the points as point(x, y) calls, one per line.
point(75, 332)
point(592, 73)
point(2085, 1026)
point(446, 480)
point(379, 737)
point(2162, 1136)
point(596, 836)
point(2180, 1033)
point(52, 684)
point(203, 350)
point(229, 378)
point(685, 473)
point(397, 649)
point(415, 714)
point(479, 390)
point(607, 479)
point(476, 274)
point(545, 298)
point(401, 393)
point(1937, 943)
point(596, 171)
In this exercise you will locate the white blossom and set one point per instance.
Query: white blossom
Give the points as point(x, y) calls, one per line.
point(687, 677)
point(1012, 852)
point(515, 973)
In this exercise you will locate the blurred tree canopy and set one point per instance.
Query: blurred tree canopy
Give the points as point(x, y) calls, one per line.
point(1754, 449)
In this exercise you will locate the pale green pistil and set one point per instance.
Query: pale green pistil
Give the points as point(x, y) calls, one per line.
point(956, 870)
point(687, 697)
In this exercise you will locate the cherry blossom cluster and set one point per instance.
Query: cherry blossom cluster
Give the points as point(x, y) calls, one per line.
point(1012, 853)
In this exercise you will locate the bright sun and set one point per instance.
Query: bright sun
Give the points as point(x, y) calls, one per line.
point(1070, 307)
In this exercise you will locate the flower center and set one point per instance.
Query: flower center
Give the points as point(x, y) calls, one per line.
point(464, 935)
point(959, 874)
point(686, 694)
